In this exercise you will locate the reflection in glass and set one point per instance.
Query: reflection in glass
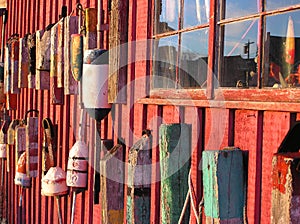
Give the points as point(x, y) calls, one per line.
point(281, 49)
point(193, 59)
point(195, 12)
point(239, 56)
point(276, 4)
point(236, 8)
point(167, 15)
point(165, 62)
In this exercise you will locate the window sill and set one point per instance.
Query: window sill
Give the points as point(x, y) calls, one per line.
point(252, 99)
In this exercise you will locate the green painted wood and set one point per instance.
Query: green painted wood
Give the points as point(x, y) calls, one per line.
point(223, 182)
point(175, 152)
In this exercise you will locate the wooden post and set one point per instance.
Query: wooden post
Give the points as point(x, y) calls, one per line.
point(71, 27)
point(285, 190)
point(32, 60)
point(90, 40)
point(32, 146)
point(60, 53)
point(223, 183)
point(42, 78)
point(118, 37)
point(56, 93)
point(175, 152)
point(139, 181)
point(7, 66)
point(14, 67)
point(111, 184)
point(23, 63)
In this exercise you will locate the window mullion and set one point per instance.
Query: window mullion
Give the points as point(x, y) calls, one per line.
point(211, 49)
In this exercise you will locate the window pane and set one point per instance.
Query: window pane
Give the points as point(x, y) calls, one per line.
point(167, 14)
point(193, 58)
point(165, 62)
point(276, 4)
point(238, 64)
point(282, 50)
point(195, 12)
point(236, 8)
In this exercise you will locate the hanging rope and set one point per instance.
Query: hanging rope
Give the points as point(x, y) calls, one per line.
point(191, 195)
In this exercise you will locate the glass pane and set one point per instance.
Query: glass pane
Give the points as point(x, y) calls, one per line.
point(282, 50)
point(236, 8)
point(193, 58)
point(238, 64)
point(167, 14)
point(165, 62)
point(276, 4)
point(195, 12)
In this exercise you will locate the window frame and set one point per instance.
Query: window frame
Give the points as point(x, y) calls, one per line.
point(215, 24)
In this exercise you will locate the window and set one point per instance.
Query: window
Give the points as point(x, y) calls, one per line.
point(253, 44)
point(181, 43)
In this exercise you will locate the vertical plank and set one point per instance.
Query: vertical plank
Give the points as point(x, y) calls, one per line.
point(223, 183)
point(196, 118)
point(216, 128)
point(23, 63)
point(71, 27)
point(154, 120)
point(275, 127)
point(118, 51)
point(246, 138)
point(175, 148)
point(55, 92)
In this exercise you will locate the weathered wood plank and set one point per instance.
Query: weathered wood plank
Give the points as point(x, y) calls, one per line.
point(285, 188)
point(23, 63)
point(14, 67)
point(118, 28)
point(71, 27)
point(90, 40)
point(138, 181)
point(32, 146)
point(111, 189)
point(223, 183)
point(56, 94)
point(60, 53)
point(175, 152)
point(42, 78)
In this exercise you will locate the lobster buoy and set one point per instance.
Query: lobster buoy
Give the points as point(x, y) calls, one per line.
point(54, 182)
point(95, 83)
point(77, 165)
point(21, 178)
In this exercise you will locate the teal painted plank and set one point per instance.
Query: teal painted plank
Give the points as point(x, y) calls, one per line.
point(223, 181)
point(175, 152)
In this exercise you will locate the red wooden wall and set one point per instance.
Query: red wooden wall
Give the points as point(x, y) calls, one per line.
point(258, 131)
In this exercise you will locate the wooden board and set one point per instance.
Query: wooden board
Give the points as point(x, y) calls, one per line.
point(14, 67)
point(117, 50)
point(56, 93)
point(275, 127)
point(223, 183)
point(70, 27)
point(111, 189)
point(247, 137)
point(23, 64)
point(42, 77)
point(285, 191)
point(175, 149)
